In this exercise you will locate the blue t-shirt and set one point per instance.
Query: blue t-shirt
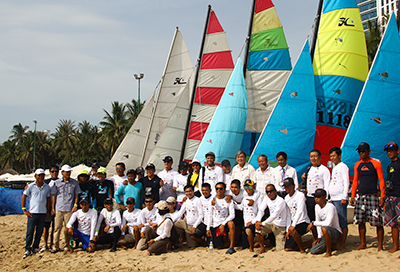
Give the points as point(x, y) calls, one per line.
point(37, 197)
point(129, 190)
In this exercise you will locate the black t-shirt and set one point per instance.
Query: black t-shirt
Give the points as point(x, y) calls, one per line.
point(151, 187)
point(393, 174)
point(88, 192)
point(102, 192)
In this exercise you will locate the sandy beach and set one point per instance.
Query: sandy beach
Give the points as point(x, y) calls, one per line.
point(12, 241)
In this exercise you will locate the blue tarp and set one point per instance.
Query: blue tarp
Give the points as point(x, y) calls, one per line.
point(10, 201)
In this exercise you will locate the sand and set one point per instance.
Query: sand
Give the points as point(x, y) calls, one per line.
point(12, 241)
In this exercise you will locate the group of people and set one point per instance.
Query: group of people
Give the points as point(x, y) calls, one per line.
point(220, 207)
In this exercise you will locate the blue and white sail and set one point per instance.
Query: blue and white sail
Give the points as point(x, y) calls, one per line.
point(225, 133)
point(292, 125)
point(376, 119)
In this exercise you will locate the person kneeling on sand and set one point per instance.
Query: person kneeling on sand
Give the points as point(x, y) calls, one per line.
point(327, 223)
point(112, 230)
point(87, 220)
point(130, 224)
point(157, 238)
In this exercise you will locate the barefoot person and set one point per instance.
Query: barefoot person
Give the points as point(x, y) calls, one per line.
point(339, 188)
point(39, 196)
point(87, 221)
point(327, 223)
point(276, 223)
point(130, 232)
point(296, 202)
point(392, 207)
point(368, 205)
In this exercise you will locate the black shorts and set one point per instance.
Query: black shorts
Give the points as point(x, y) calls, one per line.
point(49, 221)
point(200, 231)
point(310, 203)
point(239, 222)
point(301, 229)
point(219, 241)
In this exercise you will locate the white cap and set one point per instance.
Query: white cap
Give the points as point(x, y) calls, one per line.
point(162, 205)
point(66, 168)
point(171, 199)
point(39, 171)
point(196, 160)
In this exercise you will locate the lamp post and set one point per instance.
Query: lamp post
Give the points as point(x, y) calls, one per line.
point(34, 146)
point(138, 78)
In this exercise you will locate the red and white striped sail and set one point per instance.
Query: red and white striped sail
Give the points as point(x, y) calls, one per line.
point(216, 66)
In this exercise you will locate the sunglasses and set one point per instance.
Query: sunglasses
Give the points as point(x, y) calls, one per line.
point(219, 188)
point(248, 187)
point(54, 171)
point(268, 192)
point(182, 168)
point(107, 203)
point(120, 168)
point(147, 201)
point(361, 151)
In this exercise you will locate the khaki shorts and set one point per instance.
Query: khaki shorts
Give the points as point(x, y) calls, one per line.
point(128, 239)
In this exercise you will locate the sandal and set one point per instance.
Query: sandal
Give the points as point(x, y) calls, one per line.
point(54, 250)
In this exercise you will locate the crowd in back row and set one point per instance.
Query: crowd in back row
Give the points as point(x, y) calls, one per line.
point(208, 202)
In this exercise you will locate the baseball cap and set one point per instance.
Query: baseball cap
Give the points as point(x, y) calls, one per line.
point(363, 147)
point(95, 165)
point(319, 193)
point(66, 168)
point(108, 201)
point(183, 164)
point(83, 172)
point(171, 199)
point(130, 200)
point(39, 171)
point(168, 159)
point(288, 181)
point(150, 166)
point(196, 161)
point(248, 182)
point(131, 171)
point(391, 146)
point(225, 163)
point(84, 200)
point(102, 170)
point(210, 154)
point(140, 170)
point(162, 205)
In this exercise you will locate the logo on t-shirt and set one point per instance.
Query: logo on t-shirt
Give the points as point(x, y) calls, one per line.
point(364, 168)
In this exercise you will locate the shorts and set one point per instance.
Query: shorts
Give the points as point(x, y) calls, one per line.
point(49, 221)
point(239, 222)
point(81, 237)
point(218, 242)
point(367, 208)
point(392, 212)
point(200, 231)
point(128, 239)
point(301, 229)
point(278, 231)
point(342, 213)
point(310, 204)
point(321, 246)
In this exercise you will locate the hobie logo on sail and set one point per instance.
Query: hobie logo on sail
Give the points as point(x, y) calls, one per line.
point(179, 80)
point(345, 21)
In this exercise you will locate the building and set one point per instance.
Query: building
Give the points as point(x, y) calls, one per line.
point(376, 10)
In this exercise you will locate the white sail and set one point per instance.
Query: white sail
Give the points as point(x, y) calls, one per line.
point(177, 71)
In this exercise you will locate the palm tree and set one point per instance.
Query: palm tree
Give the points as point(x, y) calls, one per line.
point(8, 155)
point(373, 39)
point(18, 133)
point(65, 140)
point(132, 110)
point(25, 152)
point(114, 126)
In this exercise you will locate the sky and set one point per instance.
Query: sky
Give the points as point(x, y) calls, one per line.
point(71, 59)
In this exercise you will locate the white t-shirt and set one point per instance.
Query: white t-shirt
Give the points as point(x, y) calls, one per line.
point(318, 178)
point(86, 221)
point(262, 179)
point(285, 172)
point(207, 210)
point(326, 217)
point(222, 212)
point(212, 176)
point(250, 212)
point(279, 212)
point(298, 208)
point(168, 178)
point(247, 172)
point(180, 181)
point(147, 216)
point(112, 219)
point(131, 219)
point(339, 185)
point(194, 211)
point(117, 180)
point(227, 178)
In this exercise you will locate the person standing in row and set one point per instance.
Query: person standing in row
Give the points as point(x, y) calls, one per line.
point(180, 181)
point(211, 173)
point(151, 183)
point(283, 171)
point(264, 174)
point(103, 188)
point(132, 189)
point(194, 177)
point(368, 175)
point(65, 194)
point(243, 170)
point(227, 175)
point(118, 180)
point(167, 175)
point(39, 195)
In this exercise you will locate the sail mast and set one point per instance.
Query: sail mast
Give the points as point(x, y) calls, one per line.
point(195, 84)
point(246, 57)
point(316, 28)
point(157, 97)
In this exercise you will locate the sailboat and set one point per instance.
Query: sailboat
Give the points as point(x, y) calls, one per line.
point(225, 132)
point(214, 67)
point(341, 67)
point(267, 67)
point(292, 124)
point(145, 132)
point(376, 118)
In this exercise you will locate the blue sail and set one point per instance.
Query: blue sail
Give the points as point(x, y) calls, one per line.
point(225, 133)
point(376, 118)
point(292, 125)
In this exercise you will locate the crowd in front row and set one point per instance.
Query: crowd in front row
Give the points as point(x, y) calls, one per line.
point(219, 207)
